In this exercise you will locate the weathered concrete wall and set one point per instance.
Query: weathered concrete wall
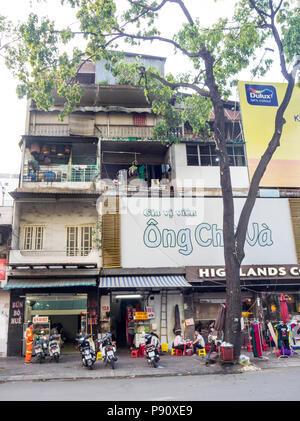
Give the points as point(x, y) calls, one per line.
point(56, 216)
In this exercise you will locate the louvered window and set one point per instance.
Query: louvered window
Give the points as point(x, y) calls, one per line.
point(111, 238)
point(295, 214)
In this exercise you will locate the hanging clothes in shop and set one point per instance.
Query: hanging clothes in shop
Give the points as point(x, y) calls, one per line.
point(255, 332)
point(141, 171)
point(283, 338)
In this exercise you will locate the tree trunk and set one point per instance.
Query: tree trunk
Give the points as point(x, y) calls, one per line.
point(232, 266)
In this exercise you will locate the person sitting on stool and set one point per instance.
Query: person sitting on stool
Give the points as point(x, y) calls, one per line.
point(198, 342)
point(179, 341)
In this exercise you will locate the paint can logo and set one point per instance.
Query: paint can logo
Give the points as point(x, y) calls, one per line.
point(261, 95)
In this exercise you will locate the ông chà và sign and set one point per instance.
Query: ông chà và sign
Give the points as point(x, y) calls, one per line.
point(246, 272)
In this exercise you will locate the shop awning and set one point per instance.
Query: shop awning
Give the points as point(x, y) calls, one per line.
point(171, 281)
point(49, 283)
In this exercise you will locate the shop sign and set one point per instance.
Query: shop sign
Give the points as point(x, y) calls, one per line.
point(17, 312)
point(141, 315)
point(183, 232)
point(150, 312)
point(246, 272)
point(2, 269)
point(43, 319)
point(189, 322)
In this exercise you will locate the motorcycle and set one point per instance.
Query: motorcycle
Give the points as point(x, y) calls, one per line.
point(86, 347)
point(108, 350)
point(152, 353)
point(54, 347)
point(41, 347)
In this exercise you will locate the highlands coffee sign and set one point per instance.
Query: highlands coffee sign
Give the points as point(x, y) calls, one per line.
point(197, 273)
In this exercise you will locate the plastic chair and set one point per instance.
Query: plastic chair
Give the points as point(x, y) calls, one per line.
point(164, 347)
point(176, 351)
point(201, 351)
point(134, 353)
point(99, 357)
point(142, 350)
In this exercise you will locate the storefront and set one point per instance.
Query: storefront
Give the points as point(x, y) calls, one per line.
point(71, 306)
point(134, 305)
point(261, 288)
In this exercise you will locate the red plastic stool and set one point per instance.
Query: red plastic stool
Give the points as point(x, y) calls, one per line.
point(249, 348)
point(266, 347)
point(178, 352)
point(134, 353)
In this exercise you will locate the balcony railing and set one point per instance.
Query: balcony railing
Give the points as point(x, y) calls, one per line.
point(61, 174)
point(53, 257)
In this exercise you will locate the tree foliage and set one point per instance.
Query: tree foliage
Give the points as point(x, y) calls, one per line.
point(41, 59)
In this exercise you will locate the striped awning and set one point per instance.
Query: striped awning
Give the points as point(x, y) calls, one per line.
point(171, 281)
point(49, 283)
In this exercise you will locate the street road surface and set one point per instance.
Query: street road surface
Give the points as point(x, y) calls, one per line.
point(268, 385)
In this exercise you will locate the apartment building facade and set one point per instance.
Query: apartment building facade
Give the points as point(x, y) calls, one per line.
point(116, 231)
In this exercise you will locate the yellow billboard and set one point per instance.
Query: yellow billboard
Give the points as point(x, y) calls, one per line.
point(259, 103)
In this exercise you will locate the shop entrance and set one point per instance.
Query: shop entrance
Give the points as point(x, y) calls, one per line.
point(123, 324)
point(66, 314)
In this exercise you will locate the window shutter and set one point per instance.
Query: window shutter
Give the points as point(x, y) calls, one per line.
point(111, 238)
point(295, 214)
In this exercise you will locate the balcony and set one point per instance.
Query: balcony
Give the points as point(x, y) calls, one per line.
point(49, 258)
point(56, 176)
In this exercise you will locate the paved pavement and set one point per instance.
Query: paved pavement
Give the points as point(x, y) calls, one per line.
point(70, 368)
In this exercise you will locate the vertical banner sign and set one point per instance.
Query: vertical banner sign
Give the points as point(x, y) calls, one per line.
point(2, 269)
point(259, 103)
point(15, 327)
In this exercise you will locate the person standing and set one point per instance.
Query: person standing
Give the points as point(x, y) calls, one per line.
point(29, 342)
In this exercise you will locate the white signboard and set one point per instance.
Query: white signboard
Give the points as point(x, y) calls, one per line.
point(150, 312)
point(174, 232)
point(39, 319)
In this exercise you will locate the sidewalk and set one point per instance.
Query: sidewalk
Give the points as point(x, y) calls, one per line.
point(70, 368)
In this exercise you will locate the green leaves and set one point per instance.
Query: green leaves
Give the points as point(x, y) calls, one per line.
point(41, 58)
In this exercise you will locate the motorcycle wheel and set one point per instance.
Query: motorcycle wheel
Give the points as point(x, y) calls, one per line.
point(90, 364)
point(56, 358)
point(112, 364)
point(39, 358)
point(154, 363)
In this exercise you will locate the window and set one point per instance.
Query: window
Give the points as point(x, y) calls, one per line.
point(79, 240)
point(192, 154)
point(207, 155)
point(139, 119)
point(33, 237)
point(236, 155)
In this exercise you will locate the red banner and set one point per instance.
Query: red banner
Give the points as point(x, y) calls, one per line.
point(2, 269)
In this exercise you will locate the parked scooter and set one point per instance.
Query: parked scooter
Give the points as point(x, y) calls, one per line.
point(41, 347)
point(152, 349)
point(86, 347)
point(108, 350)
point(54, 347)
